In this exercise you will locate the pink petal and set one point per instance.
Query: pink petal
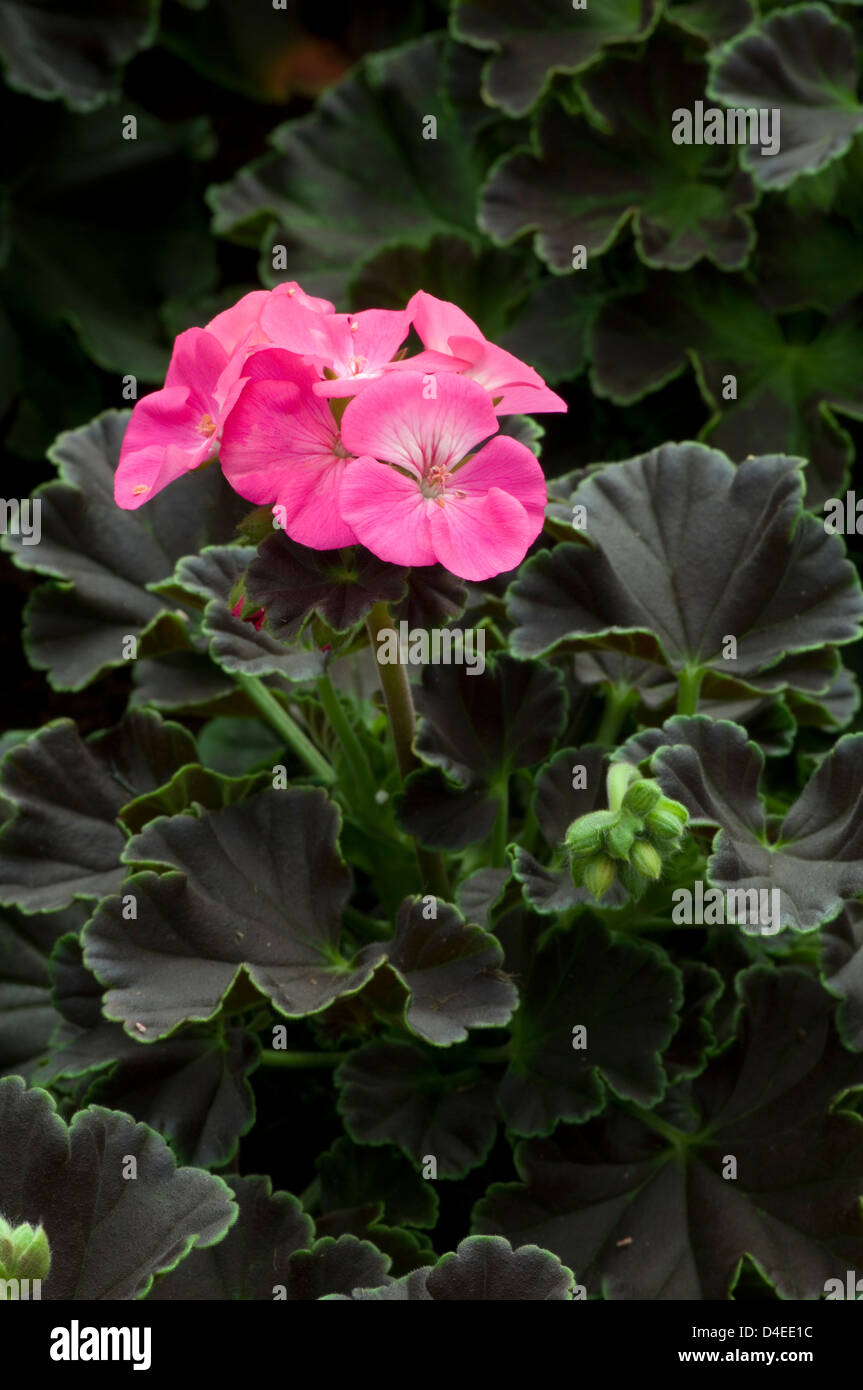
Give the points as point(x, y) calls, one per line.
point(310, 493)
point(509, 465)
point(378, 335)
point(436, 320)
point(388, 512)
point(502, 374)
point(233, 325)
point(254, 454)
point(308, 301)
point(290, 324)
point(197, 361)
point(391, 419)
point(477, 537)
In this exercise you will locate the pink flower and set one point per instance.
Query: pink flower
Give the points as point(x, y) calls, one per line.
point(174, 430)
point(413, 498)
point(446, 329)
point(351, 349)
point(281, 446)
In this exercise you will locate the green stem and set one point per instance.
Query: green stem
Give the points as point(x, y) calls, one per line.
point(267, 704)
point(351, 746)
point(400, 711)
point(499, 834)
point(301, 1059)
point(369, 926)
point(618, 702)
point(688, 687)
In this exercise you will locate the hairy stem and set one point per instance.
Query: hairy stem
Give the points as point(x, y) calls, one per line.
point(351, 746)
point(400, 711)
point(688, 687)
point(267, 704)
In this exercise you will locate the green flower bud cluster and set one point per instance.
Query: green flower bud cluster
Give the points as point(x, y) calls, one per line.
point(629, 841)
point(24, 1251)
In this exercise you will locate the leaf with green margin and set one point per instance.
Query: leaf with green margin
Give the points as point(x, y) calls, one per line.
point(801, 63)
point(233, 746)
point(486, 283)
point(480, 892)
point(51, 52)
point(450, 971)
point(793, 1211)
point(257, 887)
point(191, 786)
point(105, 559)
point(434, 596)
point(236, 645)
point(792, 375)
point(357, 174)
point(484, 1269)
point(477, 729)
point(532, 44)
point(589, 175)
point(193, 1088)
point(292, 582)
point(64, 842)
point(551, 328)
point(814, 858)
point(332, 1266)
point(27, 1015)
point(406, 1250)
point(254, 1255)
point(711, 20)
point(108, 1236)
point(651, 585)
point(624, 993)
point(353, 1174)
point(805, 260)
point(687, 1054)
point(841, 964)
point(394, 1093)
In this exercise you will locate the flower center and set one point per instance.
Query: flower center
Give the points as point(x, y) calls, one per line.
point(206, 426)
point(434, 482)
point(339, 449)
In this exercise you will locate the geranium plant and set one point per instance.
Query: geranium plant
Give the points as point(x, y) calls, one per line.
point(439, 872)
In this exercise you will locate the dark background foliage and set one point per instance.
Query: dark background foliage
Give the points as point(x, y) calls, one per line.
point(258, 127)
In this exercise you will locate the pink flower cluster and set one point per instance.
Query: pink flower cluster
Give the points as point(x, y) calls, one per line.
point(322, 417)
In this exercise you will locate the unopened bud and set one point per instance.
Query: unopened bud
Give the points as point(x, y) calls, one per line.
point(642, 796)
point(665, 820)
point(620, 837)
point(599, 875)
point(585, 835)
point(645, 858)
point(24, 1251)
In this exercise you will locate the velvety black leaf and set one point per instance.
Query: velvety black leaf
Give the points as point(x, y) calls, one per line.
point(784, 588)
point(357, 174)
point(108, 1235)
point(442, 816)
point(842, 971)
point(478, 727)
point(105, 558)
point(434, 597)
point(789, 380)
point(593, 174)
point(192, 1088)
point(550, 330)
point(485, 283)
point(191, 785)
point(815, 860)
point(622, 993)
point(484, 1269)
point(252, 1260)
point(260, 888)
point(480, 892)
point(49, 51)
point(802, 63)
point(291, 582)
point(333, 1266)
point(406, 1250)
point(27, 1016)
point(392, 1093)
point(530, 45)
point(64, 841)
point(353, 1174)
point(452, 973)
point(640, 1215)
point(686, 1054)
